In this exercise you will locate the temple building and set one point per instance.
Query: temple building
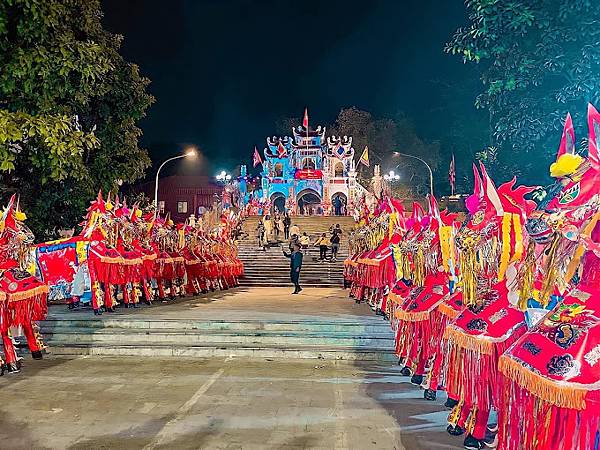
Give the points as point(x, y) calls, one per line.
point(305, 173)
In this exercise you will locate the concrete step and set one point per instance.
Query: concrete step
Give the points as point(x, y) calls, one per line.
point(71, 335)
point(131, 322)
point(222, 351)
point(351, 339)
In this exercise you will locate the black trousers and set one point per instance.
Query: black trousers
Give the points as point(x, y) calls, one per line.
point(322, 251)
point(295, 277)
point(286, 232)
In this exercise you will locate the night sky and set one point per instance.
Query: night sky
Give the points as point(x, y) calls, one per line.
point(223, 71)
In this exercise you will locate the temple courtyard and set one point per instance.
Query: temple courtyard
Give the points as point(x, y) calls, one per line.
point(343, 392)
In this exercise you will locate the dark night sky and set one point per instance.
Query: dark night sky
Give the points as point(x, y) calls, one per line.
point(223, 71)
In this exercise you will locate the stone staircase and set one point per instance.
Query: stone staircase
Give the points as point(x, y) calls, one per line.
point(271, 268)
point(365, 338)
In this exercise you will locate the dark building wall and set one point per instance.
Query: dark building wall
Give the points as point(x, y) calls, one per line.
point(183, 193)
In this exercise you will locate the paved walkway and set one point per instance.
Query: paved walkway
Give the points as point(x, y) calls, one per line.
point(221, 403)
point(133, 403)
point(249, 303)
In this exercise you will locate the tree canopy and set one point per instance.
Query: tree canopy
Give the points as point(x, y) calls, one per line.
point(69, 104)
point(538, 61)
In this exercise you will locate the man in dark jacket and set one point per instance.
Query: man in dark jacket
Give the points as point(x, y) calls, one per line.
point(295, 266)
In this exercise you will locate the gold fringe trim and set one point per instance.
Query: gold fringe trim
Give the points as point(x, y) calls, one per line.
point(412, 317)
point(123, 261)
point(447, 311)
point(550, 391)
point(150, 257)
point(468, 342)
point(370, 262)
point(193, 263)
point(395, 298)
point(22, 295)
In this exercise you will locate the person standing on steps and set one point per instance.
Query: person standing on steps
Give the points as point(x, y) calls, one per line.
point(295, 266)
point(287, 222)
point(294, 230)
point(322, 244)
point(336, 236)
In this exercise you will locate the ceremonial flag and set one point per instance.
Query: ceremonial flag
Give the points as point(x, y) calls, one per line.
point(281, 151)
point(567, 142)
point(594, 137)
point(257, 160)
point(305, 120)
point(364, 159)
point(452, 174)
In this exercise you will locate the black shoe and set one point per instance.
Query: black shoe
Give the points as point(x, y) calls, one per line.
point(71, 306)
point(473, 444)
point(14, 367)
point(430, 395)
point(98, 312)
point(491, 441)
point(455, 430)
point(299, 289)
point(110, 310)
point(294, 293)
point(416, 380)
point(450, 403)
point(37, 354)
point(406, 372)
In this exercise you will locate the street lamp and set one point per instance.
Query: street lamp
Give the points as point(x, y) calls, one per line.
point(428, 168)
point(391, 176)
point(189, 153)
point(223, 177)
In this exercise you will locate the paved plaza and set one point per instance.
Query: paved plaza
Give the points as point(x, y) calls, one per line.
point(81, 402)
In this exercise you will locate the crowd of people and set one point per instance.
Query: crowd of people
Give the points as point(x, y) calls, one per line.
point(268, 232)
point(501, 308)
point(123, 256)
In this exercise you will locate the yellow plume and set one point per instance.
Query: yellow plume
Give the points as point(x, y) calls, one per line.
point(567, 164)
point(20, 216)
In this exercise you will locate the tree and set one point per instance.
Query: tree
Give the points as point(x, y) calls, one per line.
point(387, 135)
point(538, 60)
point(69, 104)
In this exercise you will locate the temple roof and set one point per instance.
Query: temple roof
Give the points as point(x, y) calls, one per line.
point(300, 132)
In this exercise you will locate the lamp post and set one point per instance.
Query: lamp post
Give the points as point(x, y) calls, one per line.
point(428, 168)
point(223, 177)
point(190, 153)
point(391, 176)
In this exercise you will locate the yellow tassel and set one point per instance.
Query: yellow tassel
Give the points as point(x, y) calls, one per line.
point(518, 229)
point(574, 263)
point(505, 257)
point(528, 278)
point(445, 244)
point(468, 270)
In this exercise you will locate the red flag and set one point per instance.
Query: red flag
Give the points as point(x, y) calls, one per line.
point(281, 151)
point(567, 143)
point(452, 174)
point(305, 120)
point(594, 137)
point(257, 160)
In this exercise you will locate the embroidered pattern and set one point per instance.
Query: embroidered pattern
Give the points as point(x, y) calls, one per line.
point(560, 365)
point(498, 315)
point(532, 348)
point(593, 356)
